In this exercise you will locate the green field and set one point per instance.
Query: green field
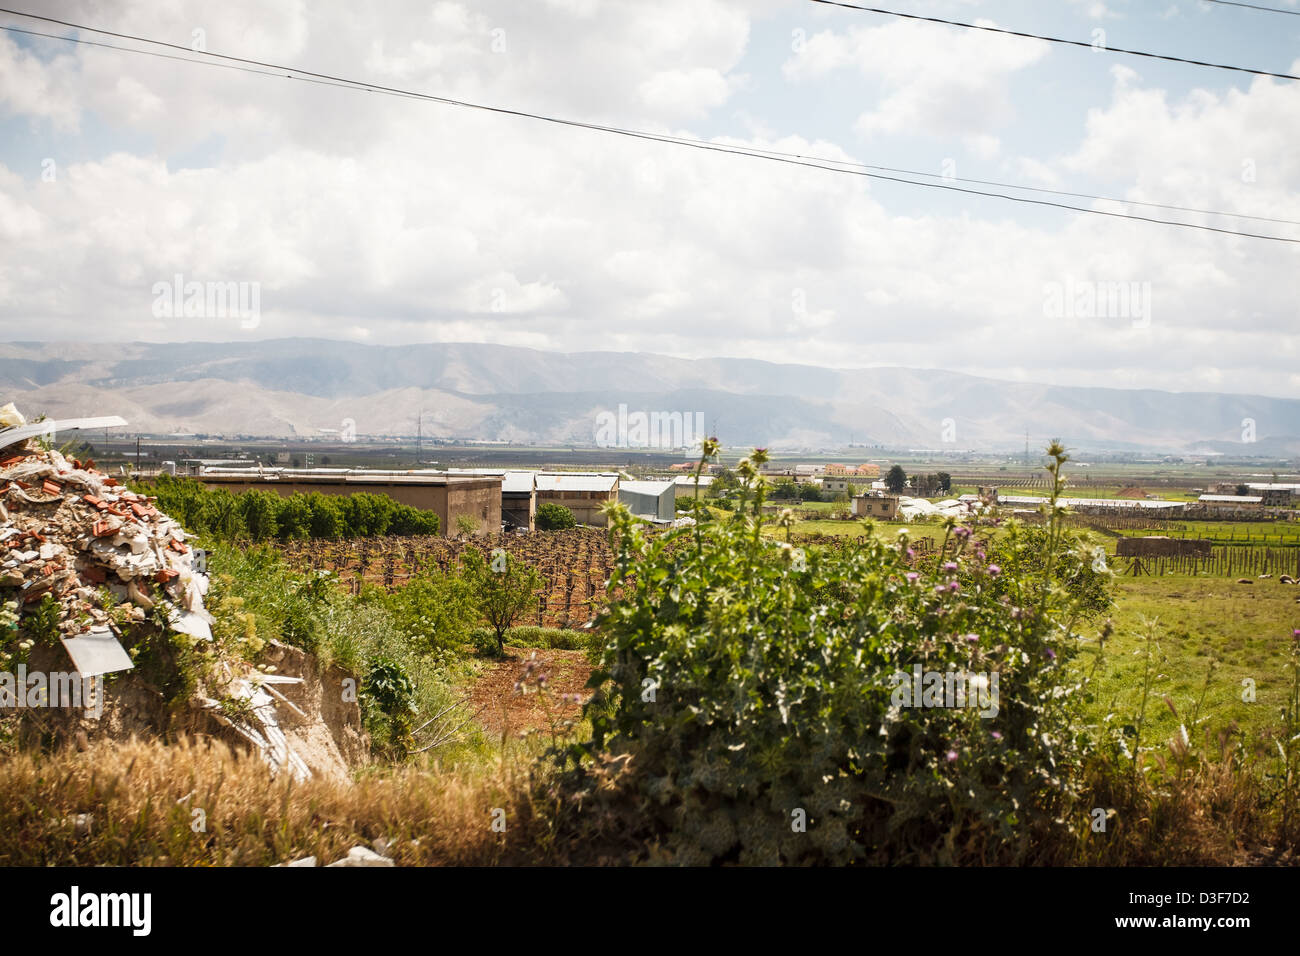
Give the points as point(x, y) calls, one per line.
point(1245, 629)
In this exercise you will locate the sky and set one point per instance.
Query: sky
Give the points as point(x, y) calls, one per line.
point(384, 219)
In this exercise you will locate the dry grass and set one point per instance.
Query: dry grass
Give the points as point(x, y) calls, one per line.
point(143, 798)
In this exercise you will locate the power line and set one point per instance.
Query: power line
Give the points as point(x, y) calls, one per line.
point(752, 152)
point(1035, 189)
point(1255, 6)
point(1037, 36)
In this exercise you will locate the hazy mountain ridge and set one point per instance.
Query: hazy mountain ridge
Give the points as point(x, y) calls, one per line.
point(289, 387)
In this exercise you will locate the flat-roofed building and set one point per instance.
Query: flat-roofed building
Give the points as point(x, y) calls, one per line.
point(518, 495)
point(875, 506)
point(582, 492)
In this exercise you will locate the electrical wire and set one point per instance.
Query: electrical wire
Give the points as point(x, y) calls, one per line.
point(271, 69)
point(1038, 36)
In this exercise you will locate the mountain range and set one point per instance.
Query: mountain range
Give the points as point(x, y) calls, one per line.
point(310, 387)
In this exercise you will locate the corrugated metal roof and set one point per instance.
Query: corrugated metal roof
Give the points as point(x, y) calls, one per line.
point(577, 481)
point(1090, 502)
point(689, 480)
point(1233, 499)
point(652, 488)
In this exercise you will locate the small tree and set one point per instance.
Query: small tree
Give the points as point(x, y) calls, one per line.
point(554, 517)
point(785, 489)
point(466, 524)
point(896, 480)
point(504, 588)
point(809, 492)
point(945, 482)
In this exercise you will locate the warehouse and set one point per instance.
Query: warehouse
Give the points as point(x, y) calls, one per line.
point(582, 492)
point(649, 499)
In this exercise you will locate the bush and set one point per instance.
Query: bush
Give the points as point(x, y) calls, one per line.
point(554, 517)
point(757, 691)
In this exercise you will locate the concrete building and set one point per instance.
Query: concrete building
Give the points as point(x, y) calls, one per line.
point(875, 506)
point(450, 496)
point(839, 484)
point(650, 499)
point(582, 492)
point(519, 499)
point(518, 495)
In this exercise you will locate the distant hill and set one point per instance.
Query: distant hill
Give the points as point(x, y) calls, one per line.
point(296, 387)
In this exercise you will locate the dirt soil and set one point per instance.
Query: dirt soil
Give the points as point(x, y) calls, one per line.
point(504, 708)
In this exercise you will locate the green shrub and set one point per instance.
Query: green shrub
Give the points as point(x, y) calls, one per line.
point(433, 609)
point(554, 517)
point(756, 689)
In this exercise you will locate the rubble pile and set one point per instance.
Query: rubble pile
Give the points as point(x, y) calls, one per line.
point(66, 530)
point(110, 562)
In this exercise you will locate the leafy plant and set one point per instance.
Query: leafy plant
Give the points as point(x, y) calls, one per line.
point(748, 691)
point(504, 588)
point(554, 517)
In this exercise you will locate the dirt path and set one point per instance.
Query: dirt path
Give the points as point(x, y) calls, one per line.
point(505, 708)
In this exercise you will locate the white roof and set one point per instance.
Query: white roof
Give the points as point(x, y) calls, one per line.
point(652, 488)
point(577, 481)
point(689, 480)
point(1092, 502)
point(512, 482)
point(1233, 499)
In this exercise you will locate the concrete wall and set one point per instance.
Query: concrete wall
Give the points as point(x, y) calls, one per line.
point(869, 506)
point(585, 505)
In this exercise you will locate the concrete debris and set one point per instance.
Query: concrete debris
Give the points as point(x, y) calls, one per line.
point(69, 530)
point(106, 554)
point(305, 861)
point(363, 856)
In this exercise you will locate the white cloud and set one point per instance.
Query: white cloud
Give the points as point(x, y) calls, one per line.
point(933, 80)
point(390, 220)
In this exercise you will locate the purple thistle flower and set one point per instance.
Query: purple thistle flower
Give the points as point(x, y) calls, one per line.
point(1049, 654)
point(993, 570)
point(997, 735)
point(952, 755)
point(972, 637)
point(954, 587)
point(950, 566)
point(912, 577)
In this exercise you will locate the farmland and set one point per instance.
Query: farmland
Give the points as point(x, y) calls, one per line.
point(574, 563)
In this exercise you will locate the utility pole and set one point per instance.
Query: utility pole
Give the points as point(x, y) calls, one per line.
point(137, 453)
